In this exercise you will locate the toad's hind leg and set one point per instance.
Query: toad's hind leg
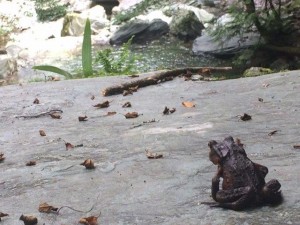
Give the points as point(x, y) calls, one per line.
point(271, 192)
point(235, 199)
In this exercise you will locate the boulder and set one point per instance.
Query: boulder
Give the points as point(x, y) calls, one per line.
point(143, 31)
point(206, 45)
point(185, 25)
point(74, 23)
point(8, 70)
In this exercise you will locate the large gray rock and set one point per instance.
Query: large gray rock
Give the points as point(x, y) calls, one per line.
point(143, 31)
point(185, 25)
point(206, 45)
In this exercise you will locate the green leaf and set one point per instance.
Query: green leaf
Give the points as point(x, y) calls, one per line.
point(87, 50)
point(53, 69)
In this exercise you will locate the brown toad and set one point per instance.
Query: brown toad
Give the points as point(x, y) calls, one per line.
point(243, 180)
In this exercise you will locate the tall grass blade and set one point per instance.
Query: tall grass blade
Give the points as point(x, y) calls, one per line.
point(87, 50)
point(53, 69)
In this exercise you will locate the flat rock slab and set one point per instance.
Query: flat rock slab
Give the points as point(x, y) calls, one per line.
point(126, 186)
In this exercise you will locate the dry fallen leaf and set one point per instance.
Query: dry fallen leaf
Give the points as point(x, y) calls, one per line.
point(46, 208)
point(188, 104)
point(82, 118)
point(272, 132)
point(31, 163)
point(102, 105)
point(296, 146)
point(55, 115)
point(151, 155)
point(36, 101)
point(91, 220)
point(260, 99)
point(239, 143)
point(69, 146)
point(29, 220)
point(245, 117)
point(88, 163)
point(111, 113)
point(168, 111)
point(42, 133)
point(205, 71)
point(93, 97)
point(131, 115)
point(1, 157)
point(3, 215)
point(127, 105)
point(127, 92)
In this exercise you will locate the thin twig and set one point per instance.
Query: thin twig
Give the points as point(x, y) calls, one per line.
point(40, 114)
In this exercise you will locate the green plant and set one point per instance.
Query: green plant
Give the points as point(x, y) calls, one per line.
point(49, 10)
point(122, 63)
point(138, 9)
point(86, 57)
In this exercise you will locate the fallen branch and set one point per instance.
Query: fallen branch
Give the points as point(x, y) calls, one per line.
point(40, 114)
point(159, 76)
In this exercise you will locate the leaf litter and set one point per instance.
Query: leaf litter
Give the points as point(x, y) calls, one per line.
point(151, 155)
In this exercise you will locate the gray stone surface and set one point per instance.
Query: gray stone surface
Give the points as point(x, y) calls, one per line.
point(127, 187)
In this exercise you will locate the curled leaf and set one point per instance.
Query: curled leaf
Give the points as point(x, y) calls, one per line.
point(151, 155)
point(296, 146)
point(245, 117)
point(102, 105)
point(82, 118)
point(272, 132)
point(69, 146)
point(126, 105)
point(46, 208)
point(29, 220)
point(188, 104)
point(42, 133)
point(111, 113)
point(3, 215)
point(88, 163)
point(1, 157)
point(168, 111)
point(260, 100)
point(127, 92)
point(36, 101)
point(31, 163)
point(55, 115)
point(91, 220)
point(131, 115)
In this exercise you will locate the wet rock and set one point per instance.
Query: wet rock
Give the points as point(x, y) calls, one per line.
point(206, 45)
point(143, 31)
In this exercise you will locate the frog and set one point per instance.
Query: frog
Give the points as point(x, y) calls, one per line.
point(243, 182)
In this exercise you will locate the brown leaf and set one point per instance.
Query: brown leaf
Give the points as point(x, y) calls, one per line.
point(134, 89)
point(131, 115)
point(42, 133)
point(55, 115)
point(29, 220)
point(1, 157)
point(3, 215)
point(272, 132)
point(296, 146)
point(127, 92)
point(36, 101)
point(91, 220)
point(239, 143)
point(69, 146)
point(31, 163)
point(205, 71)
point(93, 97)
point(88, 163)
point(168, 111)
point(172, 110)
point(245, 117)
point(111, 113)
point(188, 104)
point(127, 105)
point(151, 155)
point(82, 118)
point(102, 105)
point(260, 99)
point(46, 208)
